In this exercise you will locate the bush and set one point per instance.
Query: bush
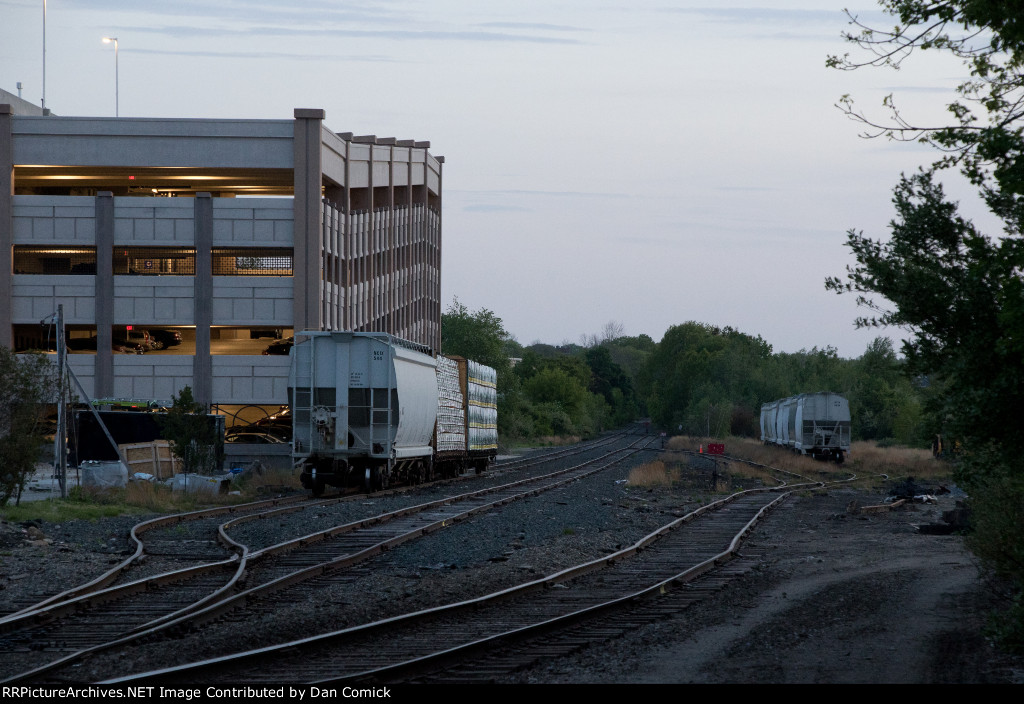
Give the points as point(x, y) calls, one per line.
point(997, 538)
point(29, 382)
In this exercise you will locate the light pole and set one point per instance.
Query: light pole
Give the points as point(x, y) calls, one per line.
point(117, 97)
point(42, 103)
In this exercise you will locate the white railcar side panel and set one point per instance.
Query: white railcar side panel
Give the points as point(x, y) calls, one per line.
point(416, 381)
point(804, 409)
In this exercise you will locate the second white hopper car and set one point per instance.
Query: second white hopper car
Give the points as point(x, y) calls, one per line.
point(809, 424)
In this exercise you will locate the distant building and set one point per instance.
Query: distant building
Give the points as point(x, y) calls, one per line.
point(229, 233)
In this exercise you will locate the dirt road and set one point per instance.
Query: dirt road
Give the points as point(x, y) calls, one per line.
point(847, 599)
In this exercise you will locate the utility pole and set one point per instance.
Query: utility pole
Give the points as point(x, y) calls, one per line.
point(61, 439)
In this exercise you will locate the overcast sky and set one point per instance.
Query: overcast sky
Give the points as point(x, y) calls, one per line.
point(649, 162)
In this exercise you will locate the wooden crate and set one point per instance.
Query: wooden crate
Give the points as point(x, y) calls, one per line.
point(151, 457)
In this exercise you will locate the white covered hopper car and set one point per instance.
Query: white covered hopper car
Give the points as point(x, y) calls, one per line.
point(373, 409)
point(809, 424)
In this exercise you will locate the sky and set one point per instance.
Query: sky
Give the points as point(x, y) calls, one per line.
point(646, 163)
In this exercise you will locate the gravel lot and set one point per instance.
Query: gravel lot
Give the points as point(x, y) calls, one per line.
point(835, 596)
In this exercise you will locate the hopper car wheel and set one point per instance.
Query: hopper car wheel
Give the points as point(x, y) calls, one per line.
point(318, 487)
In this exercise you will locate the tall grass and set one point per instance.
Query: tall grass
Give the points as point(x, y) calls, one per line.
point(864, 458)
point(898, 462)
point(146, 497)
point(652, 474)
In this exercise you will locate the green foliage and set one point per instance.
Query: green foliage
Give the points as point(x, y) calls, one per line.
point(960, 296)
point(610, 381)
point(194, 440)
point(480, 336)
point(700, 376)
point(554, 385)
point(997, 514)
point(29, 383)
point(568, 390)
point(884, 404)
point(556, 396)
point(959, 293)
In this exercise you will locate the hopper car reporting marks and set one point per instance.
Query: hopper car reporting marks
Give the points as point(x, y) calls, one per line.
point(809, 424)
point(373, 409)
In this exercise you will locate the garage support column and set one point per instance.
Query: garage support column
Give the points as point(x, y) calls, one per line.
point(202, 364)
point(103, 383)
point(308, 220)
point(6, 225)
point(435, 306)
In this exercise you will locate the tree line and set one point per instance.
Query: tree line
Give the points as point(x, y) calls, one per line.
point(699, 379)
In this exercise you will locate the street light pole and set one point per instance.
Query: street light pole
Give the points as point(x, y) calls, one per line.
point(42, 103)
point(117, 82)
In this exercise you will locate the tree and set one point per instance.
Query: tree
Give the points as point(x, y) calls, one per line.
point(698, 371)
point(194, 439)
point(610, 381)
point(611, 331)
point(988, 37)
point(958, 292)
point(480, 336)
point(29, 383)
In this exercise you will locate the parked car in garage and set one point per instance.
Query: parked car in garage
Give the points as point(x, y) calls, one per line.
point(130, 345)
point(251, 434)
point(280, 346)
point(165, 338)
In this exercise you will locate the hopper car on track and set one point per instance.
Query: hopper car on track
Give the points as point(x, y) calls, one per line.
point(373, 409)
point(809, 424)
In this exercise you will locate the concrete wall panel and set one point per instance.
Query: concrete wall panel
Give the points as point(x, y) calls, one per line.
point(88, 141)
point(252, 300)
point(142, 222)
point(84, 367)
point(256, 221)
point(142, 300)
point(155, 377)
point(44, 219)
point(33, 297)
point(359, 174)
point(246, 379)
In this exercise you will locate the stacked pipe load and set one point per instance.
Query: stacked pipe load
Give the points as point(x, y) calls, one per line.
point(451, 416)
point(482, 389)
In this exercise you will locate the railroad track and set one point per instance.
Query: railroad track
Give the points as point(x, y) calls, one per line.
point(452, 643)
point(159, 542)
point(119, 615)
point(122, 570)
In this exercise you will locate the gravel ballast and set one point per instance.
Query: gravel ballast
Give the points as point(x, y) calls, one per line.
point(784, 621)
